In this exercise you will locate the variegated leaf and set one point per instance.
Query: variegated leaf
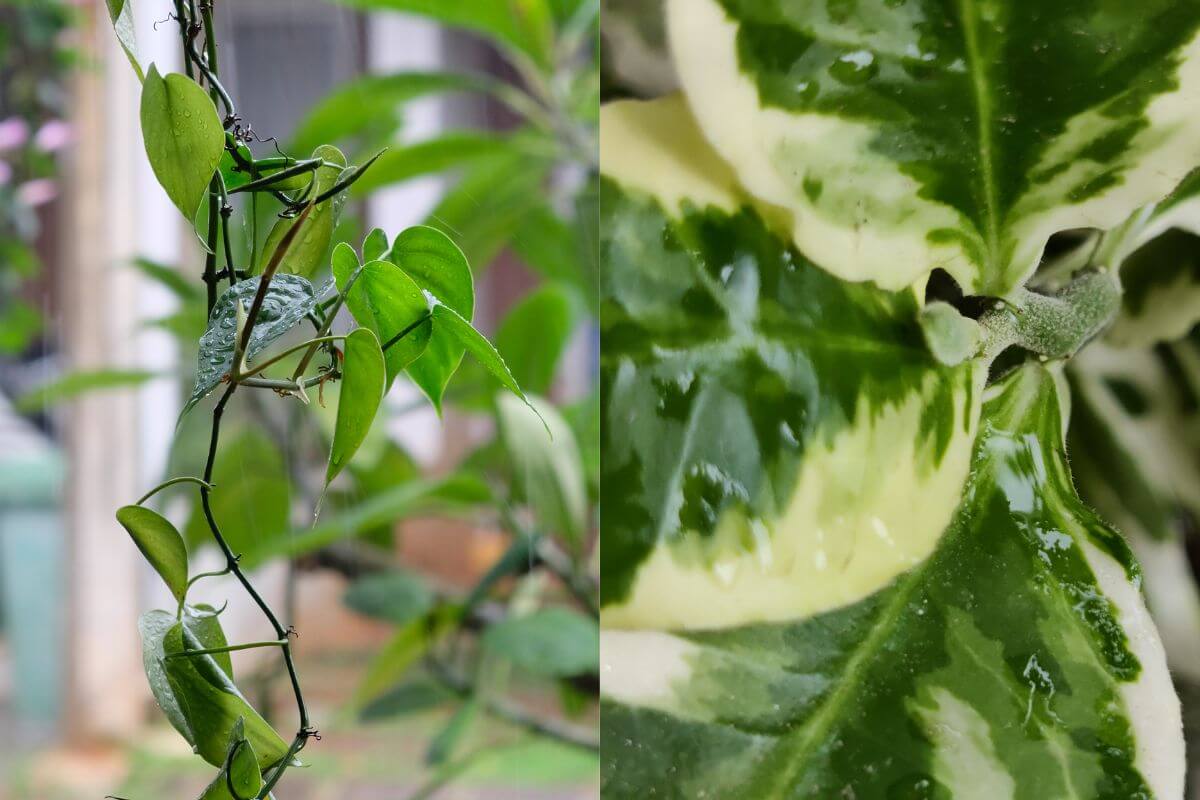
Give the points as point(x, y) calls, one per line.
point(635, 39)
point(761, 416)
point(1016, 661)
point(902, 136)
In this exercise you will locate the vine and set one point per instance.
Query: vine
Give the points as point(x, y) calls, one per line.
point(413, 301)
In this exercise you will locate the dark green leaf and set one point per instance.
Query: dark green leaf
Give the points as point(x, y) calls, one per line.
point(553, 642)
point(517, 559)
point(211, 703)
point(74, 384)
point(536, 332)
point(398, 597)
point(364, 379)
point(446, 741)
point(547, 465)
point(183, 135)
point(310, 250)
point(160, 543)
point(408, 698)
point(288, 300)
point(121, 14)
point(388, 302)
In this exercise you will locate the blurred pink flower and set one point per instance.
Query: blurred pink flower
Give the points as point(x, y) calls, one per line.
point(52, 136)
point(14, 132)
point(36, 192)
point(5, 173)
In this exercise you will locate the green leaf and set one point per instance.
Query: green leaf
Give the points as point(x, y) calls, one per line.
point(160, 543)
point(745, 391)
point(955, 135)
point(409, 644)
point(439, 268)
point(364, 380)
point(423, 158)
point(445, 742)
point(387, 302)
point(153, 626)
point(536, 332)
point(547, 465)
point(211, 704)
point(288, 300)
point(253, 496)
point(170, 278)
point(241, 764)
point(374, 100)
point(553, 642)
point(121, 14)
point(407, 698)
point(75, 384)
point(929, 665)
point(447, 321)
point(183, 135)
point(375, 246)
point(310, 251)
point(521, 25)
point(521, 553)
point(398, 597)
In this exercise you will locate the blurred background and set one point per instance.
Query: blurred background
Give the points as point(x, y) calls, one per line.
point(489, 121)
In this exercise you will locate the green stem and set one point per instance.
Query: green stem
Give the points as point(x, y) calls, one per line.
point(321, 337)
point(229, 648)
point(172, 482)
point(193, 581)
point(392, 341)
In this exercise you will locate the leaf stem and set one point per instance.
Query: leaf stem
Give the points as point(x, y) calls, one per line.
point(424, 318)
point(230, 648)
point(172, 482)
point(322, 337)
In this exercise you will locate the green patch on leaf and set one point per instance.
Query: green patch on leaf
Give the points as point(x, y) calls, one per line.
point(160, 543)
point(183, 136)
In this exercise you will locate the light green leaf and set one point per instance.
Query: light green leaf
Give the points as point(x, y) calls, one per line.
point(423, 158)
point(553, 642)
point(183, 135)
point(444, 744)
point(930, 666)
point(398, 597)
point(446, 320)
point(288, 300)
point(536, 332)
point(439, 267)
point(211, 703)
point(388, 302)
point(160, 543)
point(903, 137)
point(364, 378)
point(241, 764)
point(170, 278)
point(407, 698)
point(375, 247)
point(546, 463)
point(75, 384)
point(310, 251)
point(409, 644)
point(121, 14)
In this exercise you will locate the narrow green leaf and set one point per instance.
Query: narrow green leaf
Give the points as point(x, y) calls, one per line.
point(170, 278)
point(396, 596)
point(211, 703)
point(445, 742)
point(516, 560)
point(386, 301)
point(408, 698)
point(447, 319)
point(364, 379)
point(406, 648)
point(423, 158)
point(311, 249)
point(553, 642)
point(160, 543)
point(547, 464)
point(74, 384)
point(121, 14)
point(183, 136)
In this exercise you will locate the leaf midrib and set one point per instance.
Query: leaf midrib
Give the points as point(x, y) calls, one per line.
point(984, 113)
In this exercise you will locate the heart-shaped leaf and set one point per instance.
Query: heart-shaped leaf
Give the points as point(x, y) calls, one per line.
point(288, 300)
point(364, 379)
point(375, 246)
point(388, 302)
point(160, 543)
point(183, 136)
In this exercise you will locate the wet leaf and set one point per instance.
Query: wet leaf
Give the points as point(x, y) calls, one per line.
point(183, 136)
point(364, 379)
point(310, 250)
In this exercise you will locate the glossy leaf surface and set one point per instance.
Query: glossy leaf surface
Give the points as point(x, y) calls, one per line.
point(926, 688)
point(183, 136)
point(455, 328)
point(160, 543)
point(900, 137)
point(288, 300)
point(364, 378)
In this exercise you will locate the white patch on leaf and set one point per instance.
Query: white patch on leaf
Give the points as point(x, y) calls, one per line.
point(964, 758)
